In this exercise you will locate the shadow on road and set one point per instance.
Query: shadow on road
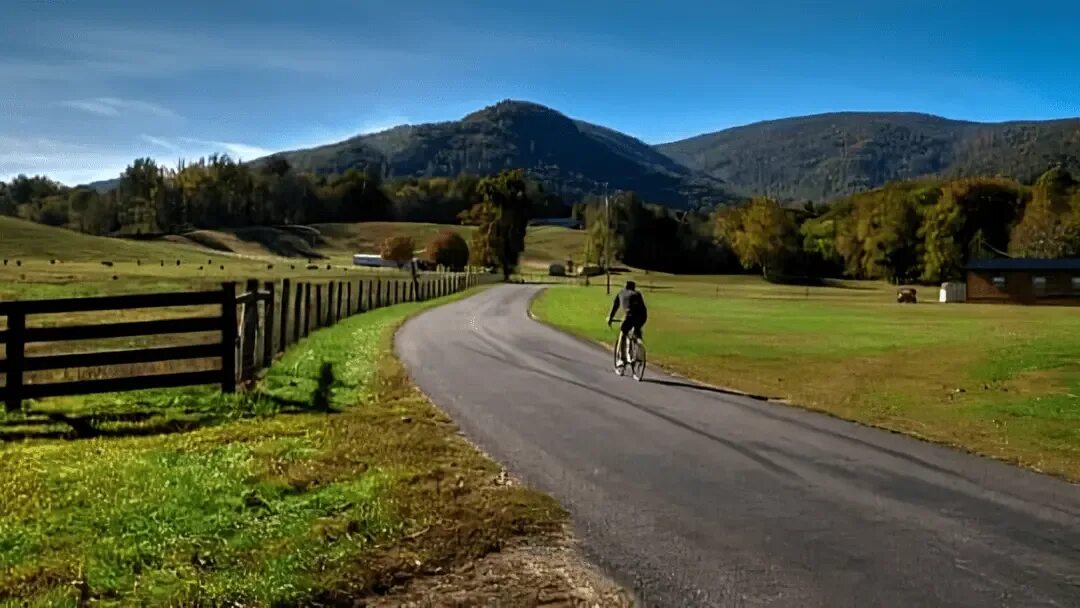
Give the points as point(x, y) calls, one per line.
point(700, 387)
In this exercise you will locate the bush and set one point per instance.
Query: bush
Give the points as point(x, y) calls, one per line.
point(397, 249)
point(557, 270)
point(448, 249)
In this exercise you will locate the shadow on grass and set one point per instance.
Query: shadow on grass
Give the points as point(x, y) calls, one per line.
point(143, 423)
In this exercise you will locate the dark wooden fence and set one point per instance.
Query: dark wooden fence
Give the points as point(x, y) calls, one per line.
point(249, 329)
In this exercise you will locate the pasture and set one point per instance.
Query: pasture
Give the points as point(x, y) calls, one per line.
point(1003, 381)
point(308, 489)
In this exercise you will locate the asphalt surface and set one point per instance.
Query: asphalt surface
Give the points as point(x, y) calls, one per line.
point(694, 497)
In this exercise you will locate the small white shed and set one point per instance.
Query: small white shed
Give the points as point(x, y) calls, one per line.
point(954, 291)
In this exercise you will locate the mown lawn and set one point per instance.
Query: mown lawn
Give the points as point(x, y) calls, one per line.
point(326, 484)
point(1002, 381)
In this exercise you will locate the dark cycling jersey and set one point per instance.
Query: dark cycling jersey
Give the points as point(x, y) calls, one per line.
point(632, 303)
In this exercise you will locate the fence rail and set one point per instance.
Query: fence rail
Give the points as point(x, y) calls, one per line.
point(249, 330)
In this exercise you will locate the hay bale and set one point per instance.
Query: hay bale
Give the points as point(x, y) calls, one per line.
point(557, 270)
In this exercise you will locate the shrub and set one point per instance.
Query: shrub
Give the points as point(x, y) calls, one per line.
point(557, 270)
point(448, 249)
point(397, 249)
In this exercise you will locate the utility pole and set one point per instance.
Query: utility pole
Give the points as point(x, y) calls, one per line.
point(607, 239)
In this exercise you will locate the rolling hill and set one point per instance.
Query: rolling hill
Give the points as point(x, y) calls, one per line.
point(569, 157)
point(828, 155)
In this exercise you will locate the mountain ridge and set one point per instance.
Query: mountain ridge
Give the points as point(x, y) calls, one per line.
point(814, 157)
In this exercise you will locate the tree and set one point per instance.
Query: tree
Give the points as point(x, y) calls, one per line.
point(761, 234)
point(969, 215)
point(1049, 227)
point(398, 249)
point(502, 218)
point(448, 249)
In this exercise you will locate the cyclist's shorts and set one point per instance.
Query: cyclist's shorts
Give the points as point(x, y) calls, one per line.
point(635, 324)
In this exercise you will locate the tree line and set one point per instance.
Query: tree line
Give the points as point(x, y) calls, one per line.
point(910, 231)
point(219, 192)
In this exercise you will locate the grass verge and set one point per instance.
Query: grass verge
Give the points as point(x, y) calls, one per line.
point(278, 504)
point(1001, 381)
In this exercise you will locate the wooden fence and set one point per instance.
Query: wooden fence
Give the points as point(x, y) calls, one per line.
point(249, 329)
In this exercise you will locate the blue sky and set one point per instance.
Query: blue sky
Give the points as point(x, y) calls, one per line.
point(85, 87)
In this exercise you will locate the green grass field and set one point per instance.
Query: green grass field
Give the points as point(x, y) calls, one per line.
point(45, 262)
point(1003, 381)
point(256, 500)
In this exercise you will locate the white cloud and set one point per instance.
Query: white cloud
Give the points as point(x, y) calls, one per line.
point(383, 124)
point(245, 152)
point(67, 162)
point(95, 52)
point(114, 106)
point(158, 141)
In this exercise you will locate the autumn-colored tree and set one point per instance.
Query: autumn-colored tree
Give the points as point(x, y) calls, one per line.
point(971, 215)
point(762, 234)
point(398, 249)
point(448, 249)
point(1049, 227)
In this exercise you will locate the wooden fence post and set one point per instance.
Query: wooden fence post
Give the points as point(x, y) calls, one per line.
point(348, 298)
point(330, 320)
point(370, 293)
point(298, 313)
point(307, 309)
point(16, 348)
point(228, 338)
point(337, 310)
point(268, 325)
point(318, 306)
point(285, 295)
point(249, 331)
point(397, 292)
point(378, 294)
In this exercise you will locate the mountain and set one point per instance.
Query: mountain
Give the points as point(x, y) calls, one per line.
point(828, 155)
point(569, 157)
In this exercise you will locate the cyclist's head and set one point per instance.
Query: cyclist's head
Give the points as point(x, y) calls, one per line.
point(631, 285)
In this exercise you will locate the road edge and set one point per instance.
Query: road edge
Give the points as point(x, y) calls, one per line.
point(565, 543)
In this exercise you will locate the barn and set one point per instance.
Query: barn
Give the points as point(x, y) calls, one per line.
point(1024, 281)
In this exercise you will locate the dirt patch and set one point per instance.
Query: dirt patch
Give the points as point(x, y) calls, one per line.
point(549, 572)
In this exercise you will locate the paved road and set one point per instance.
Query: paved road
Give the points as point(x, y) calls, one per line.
point(694, 497)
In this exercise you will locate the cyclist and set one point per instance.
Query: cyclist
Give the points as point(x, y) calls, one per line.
point(635, 314)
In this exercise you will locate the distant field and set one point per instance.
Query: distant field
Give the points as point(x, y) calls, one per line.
point(543, 244)
point(999, 380)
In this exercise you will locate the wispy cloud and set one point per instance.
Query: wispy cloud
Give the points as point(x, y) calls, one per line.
point(68, 162)
point(102, 51)
point(115, 106)
point(383, 124)
point(236, 150)
point(160, 142)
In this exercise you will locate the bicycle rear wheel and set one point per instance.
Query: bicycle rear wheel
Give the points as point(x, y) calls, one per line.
point(637, 368)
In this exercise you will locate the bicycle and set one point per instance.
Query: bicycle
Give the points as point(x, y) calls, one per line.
point(636, 358)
